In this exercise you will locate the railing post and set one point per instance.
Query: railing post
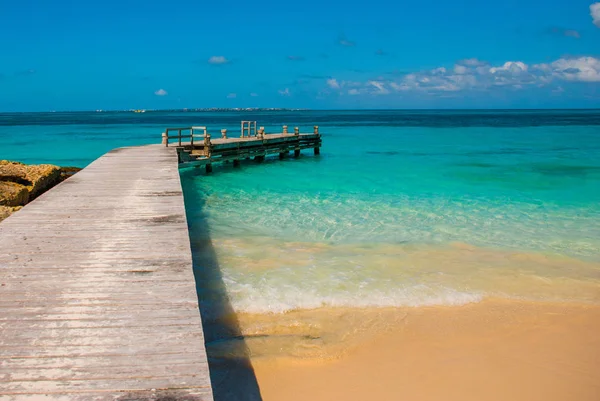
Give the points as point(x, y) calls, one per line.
point(297, 150)
point(224, 133)
point(192, 136)
point(165, 138)
point(285, 129)
point(316, 128)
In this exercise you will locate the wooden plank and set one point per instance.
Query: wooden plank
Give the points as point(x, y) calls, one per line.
point(97, 293)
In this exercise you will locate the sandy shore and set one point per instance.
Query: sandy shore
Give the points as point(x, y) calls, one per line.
point(493, 350)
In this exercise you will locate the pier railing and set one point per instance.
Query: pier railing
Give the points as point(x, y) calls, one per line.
point(190, 134)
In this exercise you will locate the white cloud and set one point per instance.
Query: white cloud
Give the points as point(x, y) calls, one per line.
point(232, 96)
point(400, 87)
point(379, 86)
point(333, 83)
point(161, 92)
point(512, 67)
point(460, 69)
point(582, 69)
point(471, 62)
point(217, 60)
point(595, 13)
point(474, 75)
point(285, 92)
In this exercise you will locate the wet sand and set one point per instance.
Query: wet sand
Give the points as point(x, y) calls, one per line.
point(493, 350)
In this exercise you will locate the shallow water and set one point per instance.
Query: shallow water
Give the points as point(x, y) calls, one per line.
point(407, 216)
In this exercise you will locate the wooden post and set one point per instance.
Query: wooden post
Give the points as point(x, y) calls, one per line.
point(236, 162)
point(242, 129)
point(285, 129)
point(165, 139)
point(207, 146)
point(224, 133)
point(316, 128)
point(297, 133)
point(282, 155)
point(317, 151)
point(192, 137)
point(208, 168)
point(261, 132)
point(179, 137)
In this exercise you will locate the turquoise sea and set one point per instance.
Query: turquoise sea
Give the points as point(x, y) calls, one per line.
point(402, 208)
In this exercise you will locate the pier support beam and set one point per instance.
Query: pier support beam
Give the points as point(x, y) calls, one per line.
point(259, 158)
point(209, 168)
point(297, 153)
point(282, 155)
point(236, 163)
point(317, 151)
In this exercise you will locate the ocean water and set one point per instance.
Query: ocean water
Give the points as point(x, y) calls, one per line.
point(401, 209)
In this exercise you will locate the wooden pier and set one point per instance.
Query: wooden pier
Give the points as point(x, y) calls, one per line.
point(195, 144)
point(97, 293)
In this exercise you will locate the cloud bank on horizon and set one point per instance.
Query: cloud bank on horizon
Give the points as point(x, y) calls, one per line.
point(476, 75)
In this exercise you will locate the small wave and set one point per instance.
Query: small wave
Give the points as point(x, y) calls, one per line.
point(262, 298)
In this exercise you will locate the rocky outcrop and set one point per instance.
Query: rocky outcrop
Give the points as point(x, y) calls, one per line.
point(13, 194)
point(21, 183)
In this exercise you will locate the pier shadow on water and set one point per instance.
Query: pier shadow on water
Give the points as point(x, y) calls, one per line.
point(231, 372)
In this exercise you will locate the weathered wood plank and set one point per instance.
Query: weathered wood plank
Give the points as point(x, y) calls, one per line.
point(97, 294)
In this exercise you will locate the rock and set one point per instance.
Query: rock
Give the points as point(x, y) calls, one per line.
point(5, 211)
point(66, 172)
point(21, 183)
point(13, 194)
point(37, 178)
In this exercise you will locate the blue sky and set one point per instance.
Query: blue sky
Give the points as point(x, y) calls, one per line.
point(80, 55)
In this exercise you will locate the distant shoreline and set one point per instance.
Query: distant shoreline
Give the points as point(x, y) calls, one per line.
point(278, 109)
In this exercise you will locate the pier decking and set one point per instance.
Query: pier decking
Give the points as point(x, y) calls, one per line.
point(97, 293)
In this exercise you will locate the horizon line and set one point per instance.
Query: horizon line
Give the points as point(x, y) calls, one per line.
point(254, 109)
